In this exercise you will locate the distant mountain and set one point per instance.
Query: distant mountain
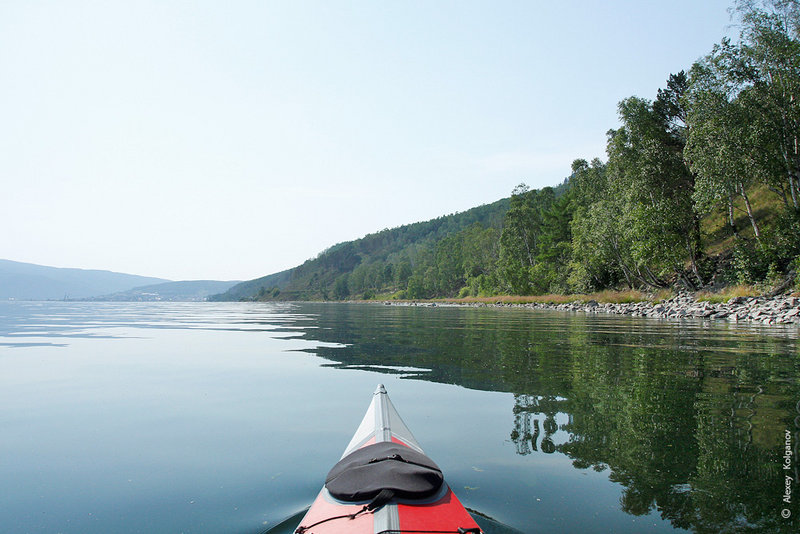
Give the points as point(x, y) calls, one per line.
point(27, 281)
point(188, 290)
point(387, 252)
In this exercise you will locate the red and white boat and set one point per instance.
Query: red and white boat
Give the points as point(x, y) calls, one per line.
point(384, 484)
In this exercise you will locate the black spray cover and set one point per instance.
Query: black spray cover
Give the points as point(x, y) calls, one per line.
point(363, 474)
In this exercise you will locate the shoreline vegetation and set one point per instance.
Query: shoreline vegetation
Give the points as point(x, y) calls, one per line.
point(630, 296)
point(699, 193)
point(738, 304)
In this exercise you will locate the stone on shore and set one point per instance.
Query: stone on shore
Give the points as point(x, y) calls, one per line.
point(773, 310)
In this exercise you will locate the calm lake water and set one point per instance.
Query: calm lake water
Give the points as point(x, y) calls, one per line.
point(195, 417)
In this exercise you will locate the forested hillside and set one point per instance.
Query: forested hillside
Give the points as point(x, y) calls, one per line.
point(700, 188)
point(383, 262)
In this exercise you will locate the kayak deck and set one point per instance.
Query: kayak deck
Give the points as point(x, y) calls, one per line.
point(441, 512)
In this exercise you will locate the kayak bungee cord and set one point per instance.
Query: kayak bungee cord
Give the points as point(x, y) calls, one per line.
point(380, 499)
point(302, 530)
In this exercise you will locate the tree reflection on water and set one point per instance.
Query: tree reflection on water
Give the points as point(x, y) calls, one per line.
point(689, 418)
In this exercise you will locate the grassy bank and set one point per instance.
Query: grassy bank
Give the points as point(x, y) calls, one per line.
point(611, 296)
point(602, 296)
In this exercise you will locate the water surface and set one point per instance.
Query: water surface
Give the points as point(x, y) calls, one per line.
point(170, 417)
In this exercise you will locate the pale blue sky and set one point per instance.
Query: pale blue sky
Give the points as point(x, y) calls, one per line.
point(230, 140)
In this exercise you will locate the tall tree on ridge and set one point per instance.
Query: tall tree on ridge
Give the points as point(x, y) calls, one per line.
point(648, 174)
point(744, 118)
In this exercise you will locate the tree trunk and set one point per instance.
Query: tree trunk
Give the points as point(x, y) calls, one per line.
point(794, 172)
point(695, 268)
point(731, 219)
point(688, 283)
point(750, 211)
point(695, 245)
point(627, 274)
point(783, 286)
point(652, 280)
point(781, 192)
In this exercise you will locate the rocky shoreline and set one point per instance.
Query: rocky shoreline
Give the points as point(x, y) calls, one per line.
point(777, 310)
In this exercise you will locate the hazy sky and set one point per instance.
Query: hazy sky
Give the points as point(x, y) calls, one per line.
point(229, 140)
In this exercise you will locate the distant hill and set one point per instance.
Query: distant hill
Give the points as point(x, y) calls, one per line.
point(27, 281)
point(246, 290)
point(188, 290)
point(316, 278)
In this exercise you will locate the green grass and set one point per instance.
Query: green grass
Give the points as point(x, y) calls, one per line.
point(607, 296)
point(603, 297)
point(717, 236)
point(728, 293)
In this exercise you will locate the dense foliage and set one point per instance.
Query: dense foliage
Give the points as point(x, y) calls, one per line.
point(720, 139)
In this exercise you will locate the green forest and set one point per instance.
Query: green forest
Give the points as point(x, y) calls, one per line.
point(699, 190)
